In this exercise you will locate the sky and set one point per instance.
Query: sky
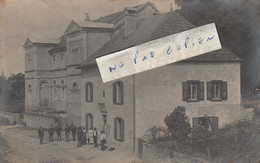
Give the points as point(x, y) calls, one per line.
point(48, 20)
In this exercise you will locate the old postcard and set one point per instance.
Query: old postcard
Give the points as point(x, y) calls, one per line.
point(129, 81)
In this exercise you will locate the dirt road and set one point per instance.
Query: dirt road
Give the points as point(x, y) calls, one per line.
point(24, 147)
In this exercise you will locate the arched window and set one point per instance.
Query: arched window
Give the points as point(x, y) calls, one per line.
point(43, 83)
point(75, 85)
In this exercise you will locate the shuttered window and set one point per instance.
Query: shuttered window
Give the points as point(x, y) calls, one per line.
point(89, 92)
point(193, 91)
point(217, 90)
point(119, 129)
point(118, 92)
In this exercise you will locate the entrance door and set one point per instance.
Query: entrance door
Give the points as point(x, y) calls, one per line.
point(104, 128)
point(89, 121)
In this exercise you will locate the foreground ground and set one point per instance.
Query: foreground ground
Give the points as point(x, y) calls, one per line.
point(21, 145)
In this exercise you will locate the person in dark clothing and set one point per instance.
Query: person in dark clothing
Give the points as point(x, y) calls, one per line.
point(95, 135)
point(41, 134)
point(80, 136)
point(73, 131)
point(67, 132)
point(58, 131)
point(51, 131)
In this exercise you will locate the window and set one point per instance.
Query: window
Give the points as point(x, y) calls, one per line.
point(54, 81)
point(119, 129)
point(89, 92)
point(89, 121)
point(62, 81)
point(62, 56)
point(209, 123)
point(217, 90)
point(104, 94)
point(54, 59)
point(193, 91)
point(75, 85)
point(29, 86)
point(118, 92)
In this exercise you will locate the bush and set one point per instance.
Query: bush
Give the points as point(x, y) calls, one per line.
point(177, 123)
point(157, 133)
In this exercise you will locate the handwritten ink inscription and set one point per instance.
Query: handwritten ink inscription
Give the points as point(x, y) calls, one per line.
point(159, 52)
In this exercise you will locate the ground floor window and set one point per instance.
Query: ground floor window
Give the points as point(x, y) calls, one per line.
point(207, 122)
point(119, 129)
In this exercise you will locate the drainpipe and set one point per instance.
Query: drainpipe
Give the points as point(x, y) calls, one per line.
point(134, 112)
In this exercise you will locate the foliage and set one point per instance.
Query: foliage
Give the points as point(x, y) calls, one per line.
point(237, 19)
point(177, 123)
point(157, 134)
point(12, 90)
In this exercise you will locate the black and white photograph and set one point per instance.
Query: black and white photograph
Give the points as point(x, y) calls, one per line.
point(129, 81)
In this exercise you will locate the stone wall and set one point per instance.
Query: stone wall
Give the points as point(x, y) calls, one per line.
point(12, 117)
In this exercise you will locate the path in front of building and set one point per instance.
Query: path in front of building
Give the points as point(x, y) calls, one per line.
point(24, 147)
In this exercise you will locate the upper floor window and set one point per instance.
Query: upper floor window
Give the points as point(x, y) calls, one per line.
point(29, 86)
point(119, 129)
point(62, 82)
point(89, 92)
point(43, 83)
point(75, 50)
point(62, 56)
point(193, 91)
point(54, 59)
point(54, 81)
point(217, 90)
point(118, 92)
point(75, 85)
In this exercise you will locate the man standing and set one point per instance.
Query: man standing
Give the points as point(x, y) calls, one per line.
point(67, 132)
point(58, 130)
point(73, 130)
point(80, 135)
point(41, 134)
point(51, 131)
point(95, 135)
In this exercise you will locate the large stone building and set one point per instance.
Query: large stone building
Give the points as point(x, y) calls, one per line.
point(52, 80)
point(56, 78)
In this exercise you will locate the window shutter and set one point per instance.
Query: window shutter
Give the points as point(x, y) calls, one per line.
point(224, 90)
point(122, 92)
point(87, 92)
point(201, 91)
point(91, 92)
point(184, 91)
point(214, 123)
point(87, 125)
point(195, 122)
point(209, 89)
point(114, 93)
point(122, 130)
point(115, 128)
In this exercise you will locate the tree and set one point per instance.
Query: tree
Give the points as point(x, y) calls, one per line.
point(177, 124)
point(238, 26)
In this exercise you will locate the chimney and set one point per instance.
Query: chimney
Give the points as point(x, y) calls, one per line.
point(130, 23)
point(87, 17)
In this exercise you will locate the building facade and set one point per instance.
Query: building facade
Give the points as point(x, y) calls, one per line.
point(125, 109)
point(52, 79)
point(63, 82)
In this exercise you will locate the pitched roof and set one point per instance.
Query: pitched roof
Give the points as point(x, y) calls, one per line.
point(118, 16)
point(62, 45)
point(153, 28)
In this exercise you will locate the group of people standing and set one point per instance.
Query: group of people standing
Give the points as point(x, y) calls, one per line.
point(84, 136)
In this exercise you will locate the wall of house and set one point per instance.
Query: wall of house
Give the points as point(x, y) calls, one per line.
point(124, 111)
point(159, 91)
point(146, 12)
